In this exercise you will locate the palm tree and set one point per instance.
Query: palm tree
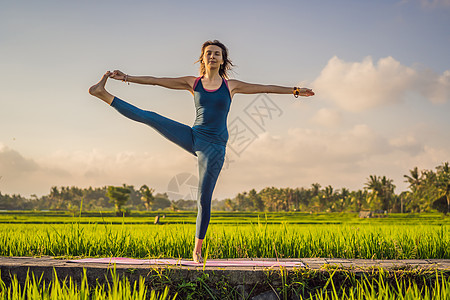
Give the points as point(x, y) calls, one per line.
point(55, 196)
point(382, 191)
point(443, 183)
point(358, 199)
point(388, 188)
point(256, 200)
point(315, 188)
point(414, 179)
point(327, 198)
point(288, 195)
point(373, 184)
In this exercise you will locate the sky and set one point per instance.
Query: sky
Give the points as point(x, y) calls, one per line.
point(380, 71)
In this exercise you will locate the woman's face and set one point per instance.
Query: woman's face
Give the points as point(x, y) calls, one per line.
point(212, 57)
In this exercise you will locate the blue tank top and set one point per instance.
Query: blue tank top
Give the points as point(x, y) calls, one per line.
point(212, 107)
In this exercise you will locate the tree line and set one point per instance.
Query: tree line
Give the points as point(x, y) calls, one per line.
point(428, 190)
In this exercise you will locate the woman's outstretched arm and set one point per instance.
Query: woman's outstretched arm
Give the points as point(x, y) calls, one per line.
point(177, 83)
point(240, 87)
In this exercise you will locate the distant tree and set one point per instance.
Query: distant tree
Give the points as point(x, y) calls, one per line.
point(424, 190)
point(358, 200)
point(230, 205)
point(388, 195)
point(14, 202)
point(441, 205)
point(258, 204)
point(443, 186)
point(413, 179)
point(272, 199)
point(327, 198)
point(174, 206)
point(161, 202)
point(147, 196)
point(289, 196)
point(382, 192)
point(304, 198)
point(119, 196)
point(343, 199)
point(315, 189)
point(56, 198)
point(186, 204)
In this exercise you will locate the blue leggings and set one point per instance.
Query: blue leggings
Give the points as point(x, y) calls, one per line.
point(210, 156)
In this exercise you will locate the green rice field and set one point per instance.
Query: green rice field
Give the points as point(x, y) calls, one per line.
point(230, 235)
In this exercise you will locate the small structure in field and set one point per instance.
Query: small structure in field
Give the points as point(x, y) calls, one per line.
point(365, 214)
point(373, 214)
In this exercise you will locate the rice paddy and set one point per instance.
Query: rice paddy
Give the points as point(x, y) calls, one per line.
point(230, 235)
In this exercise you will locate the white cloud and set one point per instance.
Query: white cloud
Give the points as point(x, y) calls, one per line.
point(435, 3)
point(407, 143)
point(21, 175)
point(343, 158)
point(430, 4)
point(13, 164)
point(92, 168)
point(306, 156)
point(97, 168)
point(327, 117)
point(358, 86)
point(435, 87)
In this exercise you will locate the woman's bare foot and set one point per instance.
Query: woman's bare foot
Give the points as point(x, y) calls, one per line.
point(197, 253)
point(197, 257)
point(98, 90)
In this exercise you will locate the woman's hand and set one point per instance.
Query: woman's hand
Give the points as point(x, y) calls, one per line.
point(116, 74)
point(305, 92)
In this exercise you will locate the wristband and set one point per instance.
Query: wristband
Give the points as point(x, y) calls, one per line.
point(125, 79)
point(296, 92)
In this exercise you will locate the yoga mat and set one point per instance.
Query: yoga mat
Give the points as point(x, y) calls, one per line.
point(181, 262)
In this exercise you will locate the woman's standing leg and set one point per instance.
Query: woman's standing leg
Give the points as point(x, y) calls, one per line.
point(210, 161)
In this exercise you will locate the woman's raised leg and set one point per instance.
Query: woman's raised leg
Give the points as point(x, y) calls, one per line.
point(176, 132)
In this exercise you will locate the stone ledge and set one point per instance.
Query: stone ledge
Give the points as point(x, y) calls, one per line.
point(46, 266)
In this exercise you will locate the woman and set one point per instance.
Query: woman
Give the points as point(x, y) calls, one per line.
point(208, 137)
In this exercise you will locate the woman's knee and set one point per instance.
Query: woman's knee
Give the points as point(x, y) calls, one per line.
point(204, 203)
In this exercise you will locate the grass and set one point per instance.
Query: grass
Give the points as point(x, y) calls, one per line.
point(36, 288)
point(232, 218)
point(231, 235)
point(383, 286)
point(228, 240)
point(298, 284)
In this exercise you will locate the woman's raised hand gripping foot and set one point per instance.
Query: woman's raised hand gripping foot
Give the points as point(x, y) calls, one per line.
point(98, 90)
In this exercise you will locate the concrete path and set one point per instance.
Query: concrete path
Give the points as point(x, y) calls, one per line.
point(236, 275)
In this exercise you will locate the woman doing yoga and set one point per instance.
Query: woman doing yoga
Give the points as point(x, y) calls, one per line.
point(207, 138)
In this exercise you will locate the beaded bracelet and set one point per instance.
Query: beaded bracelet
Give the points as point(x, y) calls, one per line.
point(125, 79)
point(296, 92)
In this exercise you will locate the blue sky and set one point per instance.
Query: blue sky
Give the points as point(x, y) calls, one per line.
point(380, 70)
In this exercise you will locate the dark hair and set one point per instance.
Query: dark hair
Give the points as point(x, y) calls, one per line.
point(227, 64)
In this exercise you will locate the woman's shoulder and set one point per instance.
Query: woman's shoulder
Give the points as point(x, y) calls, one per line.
point(233, 83)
